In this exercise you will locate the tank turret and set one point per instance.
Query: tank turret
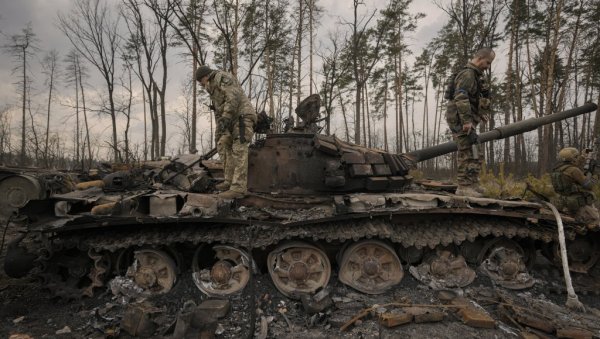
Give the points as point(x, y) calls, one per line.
point(308, 163)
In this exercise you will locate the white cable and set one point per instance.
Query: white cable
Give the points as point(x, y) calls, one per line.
point(572, 300)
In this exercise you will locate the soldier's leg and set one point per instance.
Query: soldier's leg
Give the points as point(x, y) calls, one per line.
point(224, 147)
point(239, 182)
point(589, 215)
point(468, 165)
point(475, 164)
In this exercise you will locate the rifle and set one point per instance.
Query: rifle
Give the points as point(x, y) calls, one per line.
point(591, 162)
point(536, 193)
point(206, 156)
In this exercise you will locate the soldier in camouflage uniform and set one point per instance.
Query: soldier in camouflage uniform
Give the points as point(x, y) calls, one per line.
point(467, 106)
point(574, 188)
point(235, 119)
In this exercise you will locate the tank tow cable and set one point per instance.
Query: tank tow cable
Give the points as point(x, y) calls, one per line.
point(573, 302)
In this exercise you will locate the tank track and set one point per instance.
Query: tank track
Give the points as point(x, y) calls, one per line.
point(446, 230)
point(409, 230)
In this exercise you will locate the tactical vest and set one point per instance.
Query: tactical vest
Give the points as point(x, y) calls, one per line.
point(562, 183)
point(451, 89)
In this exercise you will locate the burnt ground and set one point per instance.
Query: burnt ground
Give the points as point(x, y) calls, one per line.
point(26, 310)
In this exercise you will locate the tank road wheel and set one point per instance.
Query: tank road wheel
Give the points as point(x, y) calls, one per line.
point(229, 273)
point(298, 268)
point(153, 270)
point(71, 273)
point(370, 266)
point(443, 269)
point(583, 253)
point(504, 261)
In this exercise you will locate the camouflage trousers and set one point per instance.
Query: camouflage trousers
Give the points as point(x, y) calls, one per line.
point(588, 215)
point(234, 155)
point(469, 163)
point(581, 206)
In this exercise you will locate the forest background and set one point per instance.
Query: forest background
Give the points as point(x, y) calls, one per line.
point(92, 80)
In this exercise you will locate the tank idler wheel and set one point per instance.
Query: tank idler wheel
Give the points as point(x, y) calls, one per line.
point(298, 268)
point(229, 273)
point(370, 266)
point(583, 253)
point(153, 270)
point(504, 261)
point(69, 274)
point(443, 269)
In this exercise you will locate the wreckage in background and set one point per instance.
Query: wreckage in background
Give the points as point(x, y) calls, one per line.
point(315, 203)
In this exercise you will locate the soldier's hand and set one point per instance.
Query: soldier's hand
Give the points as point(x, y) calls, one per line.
point(467, 127)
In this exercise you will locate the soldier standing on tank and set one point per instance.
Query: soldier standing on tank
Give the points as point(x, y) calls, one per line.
point(235, 119)
point(574, 188)
point(468, 103)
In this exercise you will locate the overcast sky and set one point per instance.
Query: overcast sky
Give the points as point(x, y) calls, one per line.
point(42, 14)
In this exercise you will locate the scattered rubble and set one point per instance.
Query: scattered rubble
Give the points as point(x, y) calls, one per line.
point(482, 311)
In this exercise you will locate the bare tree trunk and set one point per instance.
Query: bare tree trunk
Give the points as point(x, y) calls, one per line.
point(235, 40)
point(509, 85)
point(192, 147)
point(343, 107)
point(77, 146)
point(385, 106)
point(146, 125)
point(299, 50)
point(311, 19)
point(155, 128)
point(52, 67)
point(85, 119)
point(365, 120)
point(22, 161)
point(547, 149)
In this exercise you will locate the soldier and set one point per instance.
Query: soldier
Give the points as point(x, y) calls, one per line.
point(574, 188)
point(235, 119)
point(467, 103)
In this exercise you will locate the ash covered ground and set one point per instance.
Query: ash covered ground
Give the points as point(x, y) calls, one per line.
point(28, 311)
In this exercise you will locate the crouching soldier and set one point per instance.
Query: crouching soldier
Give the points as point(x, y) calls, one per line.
point(574, 188)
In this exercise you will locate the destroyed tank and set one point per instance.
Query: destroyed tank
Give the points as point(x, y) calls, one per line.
point(317, 208)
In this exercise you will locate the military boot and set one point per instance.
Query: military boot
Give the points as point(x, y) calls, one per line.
point(469, 191)
point(231, 195)
point(223, 186)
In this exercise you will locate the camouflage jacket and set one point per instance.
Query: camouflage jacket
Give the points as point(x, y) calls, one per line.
point(569, 179)
point(465, 105)
point(228, 97)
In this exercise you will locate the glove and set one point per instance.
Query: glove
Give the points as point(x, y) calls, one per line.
point(224, 124)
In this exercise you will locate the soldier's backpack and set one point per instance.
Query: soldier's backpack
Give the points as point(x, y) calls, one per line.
point(560, 182)
point(450, 86)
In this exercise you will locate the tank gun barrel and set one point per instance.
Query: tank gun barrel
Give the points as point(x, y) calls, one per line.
point(502, 132)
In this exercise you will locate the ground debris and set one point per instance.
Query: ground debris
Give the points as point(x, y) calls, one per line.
point(64, 330)
point(20, 336)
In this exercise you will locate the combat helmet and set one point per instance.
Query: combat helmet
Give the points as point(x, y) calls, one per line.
point(569, 154)
point(202, 72)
